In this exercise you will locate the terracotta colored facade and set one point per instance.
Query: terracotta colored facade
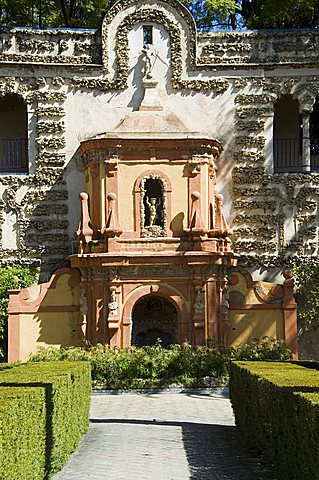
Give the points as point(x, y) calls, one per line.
point(187, 264)
point(185, 259)
point(58, 313)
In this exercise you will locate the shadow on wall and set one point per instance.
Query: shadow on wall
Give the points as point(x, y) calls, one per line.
point(43, 222)
point(260, 309)
point(45, 315)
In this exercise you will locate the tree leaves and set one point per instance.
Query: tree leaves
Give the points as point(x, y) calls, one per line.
point(307, 291)
point(280, 14)
point(208, 14)
point(53, 13)
point(257, 14)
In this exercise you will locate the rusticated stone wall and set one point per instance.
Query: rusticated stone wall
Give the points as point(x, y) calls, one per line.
point(255, 49)
point(38, 198)
point(276, 214)
point(49, 46)
point(77, 84)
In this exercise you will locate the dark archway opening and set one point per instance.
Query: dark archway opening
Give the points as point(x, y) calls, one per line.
point(154, 317)
point(314, 136)
point(13, 134)
point(287, 135)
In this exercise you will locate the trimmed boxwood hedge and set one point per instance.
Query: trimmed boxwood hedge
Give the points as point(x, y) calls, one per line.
point(67, 387)
point(22, 433)
point(276, 407)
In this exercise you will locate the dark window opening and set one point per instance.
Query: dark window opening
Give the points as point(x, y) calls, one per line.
point(13, 134)
point(314, 136)
point(147, 34)
point(288, 145)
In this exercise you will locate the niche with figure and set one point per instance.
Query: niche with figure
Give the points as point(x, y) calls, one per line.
point(153, 207)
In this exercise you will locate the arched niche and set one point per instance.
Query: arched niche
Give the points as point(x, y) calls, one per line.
point(166, 291)
point(157, 61)
point(287, 135)
point(13, 134)
point(172, 15)
point(152, 204)
point(154, 317)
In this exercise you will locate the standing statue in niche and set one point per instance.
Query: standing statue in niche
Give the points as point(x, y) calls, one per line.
point(153, 206)
point(113, 305)
point(149, 59)
point(149, 56)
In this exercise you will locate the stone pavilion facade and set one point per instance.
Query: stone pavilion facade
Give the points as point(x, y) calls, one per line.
point(166, 178)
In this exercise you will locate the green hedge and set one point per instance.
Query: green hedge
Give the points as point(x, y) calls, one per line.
point(276, 407)
point(307, 363)
point(22, 433)
point(67, 388)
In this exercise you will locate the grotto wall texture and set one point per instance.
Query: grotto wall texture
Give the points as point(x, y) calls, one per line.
point(78, 84)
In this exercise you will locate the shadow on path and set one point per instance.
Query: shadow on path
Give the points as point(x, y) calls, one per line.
point(213, 451)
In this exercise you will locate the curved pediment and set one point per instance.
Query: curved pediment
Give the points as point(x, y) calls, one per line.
point(172, 17)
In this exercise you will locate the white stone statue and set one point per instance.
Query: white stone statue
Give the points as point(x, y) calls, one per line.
point(152, 205)
point(113, 305)
point(83, 310)
point(149, 58)
point(199, 305)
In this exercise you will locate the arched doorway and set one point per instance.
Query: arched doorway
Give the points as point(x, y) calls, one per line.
point(154, 317)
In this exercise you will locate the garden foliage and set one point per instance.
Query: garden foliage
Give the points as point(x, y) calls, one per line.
point(44, 413)
point(10, 278)
point(307, 293)
point(207, 13)
point(276, 408)
point(179, 365)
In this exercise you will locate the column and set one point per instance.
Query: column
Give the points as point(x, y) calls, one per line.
point(306, 166)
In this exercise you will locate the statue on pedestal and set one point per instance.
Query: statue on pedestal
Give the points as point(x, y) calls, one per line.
point(153, 206)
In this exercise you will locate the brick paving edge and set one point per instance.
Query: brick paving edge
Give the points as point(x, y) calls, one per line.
point(195, 391)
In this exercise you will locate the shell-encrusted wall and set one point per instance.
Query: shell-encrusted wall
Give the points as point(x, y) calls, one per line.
point(77, 83)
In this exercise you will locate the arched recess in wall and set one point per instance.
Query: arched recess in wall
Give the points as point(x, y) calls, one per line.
point(287, 135)
point(154, 317)
point(13, 134)
point(173, 16)
point(168, 292)
point(314, 136)
point(152, 204)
